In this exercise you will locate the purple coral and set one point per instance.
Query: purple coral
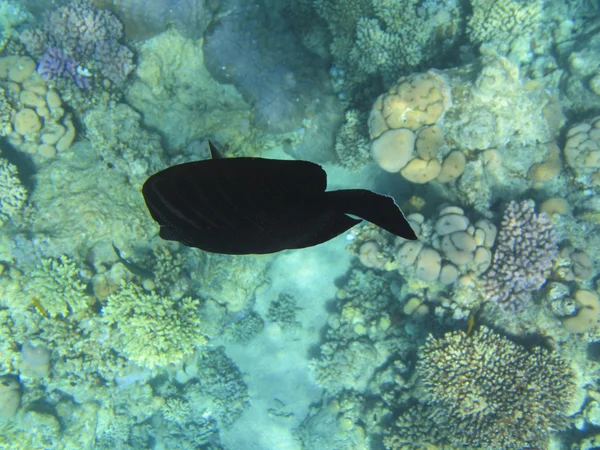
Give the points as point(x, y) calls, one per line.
point(527, 249)
point(54, 63)
point(82, 36)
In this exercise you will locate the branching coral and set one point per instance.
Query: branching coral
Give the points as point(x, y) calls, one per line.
point(150, 330)
point(79, 40)
point(12, 192)
point(219, 390)
point(56, 288)
point(352, 144)
point(527, 249)
point(502, 20)
point(494, 393)
point(374, 38)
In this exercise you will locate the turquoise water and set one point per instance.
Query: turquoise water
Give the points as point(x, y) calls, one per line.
point(480, 118)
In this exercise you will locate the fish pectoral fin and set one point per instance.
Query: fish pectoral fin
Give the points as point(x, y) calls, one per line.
point(378, 209)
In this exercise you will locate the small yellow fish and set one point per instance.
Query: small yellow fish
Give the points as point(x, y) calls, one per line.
point(470, 323)
point(415, 203)
point(40, 308)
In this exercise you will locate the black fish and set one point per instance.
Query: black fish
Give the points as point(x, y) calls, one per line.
point(255, 205)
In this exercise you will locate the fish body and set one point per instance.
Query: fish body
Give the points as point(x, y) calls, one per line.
point(134, 268)
point(258, 205)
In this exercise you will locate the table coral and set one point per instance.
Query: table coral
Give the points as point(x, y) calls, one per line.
point(150, 330)
point(494, 393)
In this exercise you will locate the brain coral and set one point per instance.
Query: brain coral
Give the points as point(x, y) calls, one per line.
point(494, 393)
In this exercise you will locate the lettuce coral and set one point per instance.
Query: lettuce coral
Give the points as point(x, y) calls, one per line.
point(151, 330)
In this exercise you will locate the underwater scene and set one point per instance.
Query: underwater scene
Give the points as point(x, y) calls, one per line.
point(184, 262)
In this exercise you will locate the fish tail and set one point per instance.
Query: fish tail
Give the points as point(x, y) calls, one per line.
point(378, 209)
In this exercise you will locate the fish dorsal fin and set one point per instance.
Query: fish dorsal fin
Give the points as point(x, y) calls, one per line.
point(214, 153)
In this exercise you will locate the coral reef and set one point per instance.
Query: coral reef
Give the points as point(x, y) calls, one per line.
point(117, 135)
point(526, 251)
point(374, 39)
point(219, 389)
point(39, 124)
point(244, 330)
point(57, 289)
point(80, 204)
point(402, 127)
point(272, 70)
point(229, 280)
point(452, 253)
point(168, 60)
point(144, 19)
point(582, 152)
point(579, 68)
point(494, 393)
point(283, 311)
point(351, 144)
point(358, 338)
point(337, 424)
point(153, 331)
point(502, 22)
point(79, 41)
point(13, 194)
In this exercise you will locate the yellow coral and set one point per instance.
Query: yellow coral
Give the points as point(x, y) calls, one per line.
point(413, 102)
point(57, 287)
point(150, 330)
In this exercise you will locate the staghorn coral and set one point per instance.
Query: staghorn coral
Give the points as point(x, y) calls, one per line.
point(12, 193)
point(527, 248)
point(150, 330)
point(494, 393)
